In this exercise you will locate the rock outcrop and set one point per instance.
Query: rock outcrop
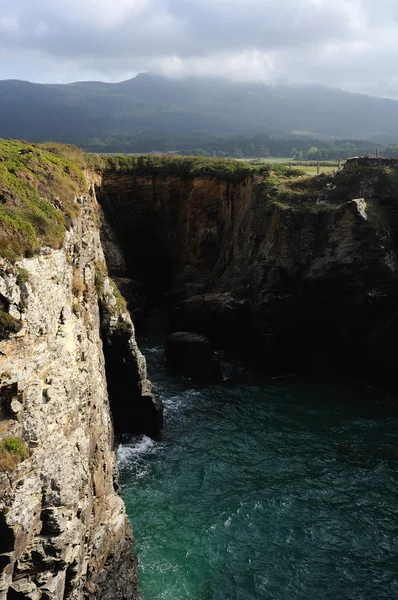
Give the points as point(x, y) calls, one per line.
point(275, 269)
point(64, 533)
point(275, 274)
point(191, 354)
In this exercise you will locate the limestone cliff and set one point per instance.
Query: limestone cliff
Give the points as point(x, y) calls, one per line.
point(64, 533)
point(274, 263)
point(265, 260)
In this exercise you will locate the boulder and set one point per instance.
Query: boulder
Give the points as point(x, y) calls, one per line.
point(191, 354)
point(220, 316)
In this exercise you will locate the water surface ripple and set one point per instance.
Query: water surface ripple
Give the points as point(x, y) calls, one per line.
point(265, 490)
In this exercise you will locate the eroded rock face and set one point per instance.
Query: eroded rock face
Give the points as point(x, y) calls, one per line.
point(276, 281)
point(64, 533)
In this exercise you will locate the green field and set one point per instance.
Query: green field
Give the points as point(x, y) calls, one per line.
point(309, 167)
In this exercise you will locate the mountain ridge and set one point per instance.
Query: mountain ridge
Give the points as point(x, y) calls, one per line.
point(68, 112)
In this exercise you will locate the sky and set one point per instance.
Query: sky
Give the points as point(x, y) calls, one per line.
point(351, 44)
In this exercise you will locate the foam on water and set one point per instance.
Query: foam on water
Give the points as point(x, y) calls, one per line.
point(136, 447)
point(132, 456)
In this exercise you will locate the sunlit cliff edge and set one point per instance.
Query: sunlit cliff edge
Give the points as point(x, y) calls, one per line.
point(266, 260)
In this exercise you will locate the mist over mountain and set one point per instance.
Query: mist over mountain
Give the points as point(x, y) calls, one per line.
point(153, 103)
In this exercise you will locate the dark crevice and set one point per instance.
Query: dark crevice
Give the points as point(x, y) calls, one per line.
point(7, 536)
point(142, 273)
point(147, 241)
point(7, 393)
point(4, 304)
point(14, 595)
point(132, 411)
point(71, 574)
point(149, 262)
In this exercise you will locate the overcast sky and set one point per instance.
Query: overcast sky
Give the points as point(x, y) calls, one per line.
point(352, 44)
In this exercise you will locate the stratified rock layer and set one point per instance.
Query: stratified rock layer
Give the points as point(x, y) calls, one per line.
point(274, 279)
point(64, 533)
point(277, 280)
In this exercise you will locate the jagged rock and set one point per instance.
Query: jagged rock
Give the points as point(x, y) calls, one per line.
point(191, 354)
point(228, 262)
point(64, 532)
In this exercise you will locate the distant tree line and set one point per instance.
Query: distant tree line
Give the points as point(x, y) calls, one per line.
point(259, 146)
point(391, 151)
point(236, 146)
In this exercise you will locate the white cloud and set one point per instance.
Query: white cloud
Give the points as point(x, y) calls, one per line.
point(248, 65)
point(352, 44)
point(9, 24)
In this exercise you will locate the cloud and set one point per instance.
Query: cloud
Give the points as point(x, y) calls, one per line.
point(351, 44)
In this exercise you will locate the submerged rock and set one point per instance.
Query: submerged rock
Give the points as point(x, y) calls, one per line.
point(191, 354)
point(221, 317)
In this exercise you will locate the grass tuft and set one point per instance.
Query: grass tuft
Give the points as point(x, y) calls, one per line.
point(8, 325)
point(13, 450)
point(78, 285)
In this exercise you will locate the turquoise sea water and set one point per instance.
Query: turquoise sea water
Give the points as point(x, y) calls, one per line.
point(279, 490)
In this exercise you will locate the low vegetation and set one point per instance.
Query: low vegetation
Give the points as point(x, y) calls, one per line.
point(121, 305)
point(22, 276)
point(8, 325)
point(182, 166)
point(100, 274)
point(37, 188)
point(38, 183)
point(13, 450)
point(78, 285)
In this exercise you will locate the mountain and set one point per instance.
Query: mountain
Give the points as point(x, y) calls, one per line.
point(76, 111)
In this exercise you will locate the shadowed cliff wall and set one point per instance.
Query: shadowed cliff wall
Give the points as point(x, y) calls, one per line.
point(277, 277)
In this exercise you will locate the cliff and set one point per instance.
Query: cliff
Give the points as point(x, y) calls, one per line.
point(64, 533)
point(270, 261)
point(278, 265)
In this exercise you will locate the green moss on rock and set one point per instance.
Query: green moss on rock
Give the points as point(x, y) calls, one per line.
point(37, 190)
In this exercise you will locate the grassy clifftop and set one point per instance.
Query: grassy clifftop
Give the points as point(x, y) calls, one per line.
point(225, 169)
point(38, 183)
point(37, 188)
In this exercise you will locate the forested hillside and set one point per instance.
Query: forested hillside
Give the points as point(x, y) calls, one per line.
point(153, 104)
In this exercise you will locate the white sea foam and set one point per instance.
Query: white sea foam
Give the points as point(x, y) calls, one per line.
point(132, 456)
point(153, 350)
point(142, 445)
point(176, 403)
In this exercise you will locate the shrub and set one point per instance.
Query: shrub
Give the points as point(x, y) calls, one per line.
point(13, 450)
point(22, 276)
point(121, 304)
point(78, 286)
point(8, 325)
point(100, 274)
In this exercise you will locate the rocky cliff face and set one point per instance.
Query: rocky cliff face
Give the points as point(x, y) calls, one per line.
point(277, 275)
point(279, 268)
point(64, 533)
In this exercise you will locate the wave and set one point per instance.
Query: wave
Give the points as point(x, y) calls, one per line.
point(132, 457)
